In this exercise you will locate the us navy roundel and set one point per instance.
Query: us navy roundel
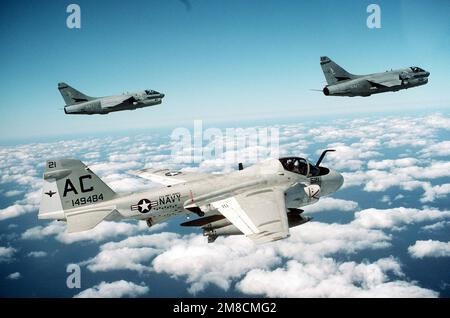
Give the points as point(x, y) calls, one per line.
point(144, 205)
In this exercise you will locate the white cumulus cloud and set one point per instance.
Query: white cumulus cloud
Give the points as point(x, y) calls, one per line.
point(6, 253)
point(16, 210)
point(116, 289)
point(436, 226)
point(429, 248)
point(37, 254)
point(228, 259)
point(14, 276)
point(438, 149)
point(396, 217)
point(431, 193)
point(327, 278)
point(331, 204)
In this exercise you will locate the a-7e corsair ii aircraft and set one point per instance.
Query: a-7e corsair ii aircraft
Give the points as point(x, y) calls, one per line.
point(261, 201)
point(79, 104)
point(342, 83)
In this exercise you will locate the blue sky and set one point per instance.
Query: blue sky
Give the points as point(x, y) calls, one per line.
point(218, 60)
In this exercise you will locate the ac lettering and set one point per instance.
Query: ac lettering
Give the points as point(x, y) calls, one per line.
point(82, 184)
point(69, 187)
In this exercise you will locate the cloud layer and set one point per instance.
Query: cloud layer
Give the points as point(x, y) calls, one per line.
point(402, 162)
point(328, 278)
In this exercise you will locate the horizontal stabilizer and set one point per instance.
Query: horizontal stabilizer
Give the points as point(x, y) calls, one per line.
point(87, 219)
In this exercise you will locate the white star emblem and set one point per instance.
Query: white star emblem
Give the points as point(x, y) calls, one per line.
point(144, 205)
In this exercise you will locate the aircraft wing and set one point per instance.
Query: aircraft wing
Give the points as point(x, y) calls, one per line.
point(168, 177)
point(113, 101)
point(385, 82)
point(259, 214)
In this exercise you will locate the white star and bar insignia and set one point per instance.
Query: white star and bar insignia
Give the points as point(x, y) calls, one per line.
point(144, 205)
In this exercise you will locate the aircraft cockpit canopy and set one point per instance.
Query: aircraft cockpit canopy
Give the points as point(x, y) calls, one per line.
point(150, 92)
point(416, 69)
point(302, 166)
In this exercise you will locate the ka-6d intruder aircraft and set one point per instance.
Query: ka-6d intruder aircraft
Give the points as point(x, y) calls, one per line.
point(80, 104)
point(261, 201)
point(342, 83)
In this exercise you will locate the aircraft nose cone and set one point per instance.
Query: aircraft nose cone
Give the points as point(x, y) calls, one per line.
point(339, 181)
point(331, 182)
point(336, 181)
point(162, 95)
point(427, 74)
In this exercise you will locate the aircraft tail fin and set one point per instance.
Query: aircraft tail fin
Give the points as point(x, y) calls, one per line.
point(333, 72)
point(71, 95)
point(70, 185)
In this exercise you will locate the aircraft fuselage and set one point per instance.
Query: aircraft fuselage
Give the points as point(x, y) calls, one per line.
point(102, 105)
point(156, 205)
point(366, 85)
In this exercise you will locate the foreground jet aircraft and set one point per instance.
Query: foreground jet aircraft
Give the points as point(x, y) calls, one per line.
point(342, 83)
point(261, 201)
point(78, 103)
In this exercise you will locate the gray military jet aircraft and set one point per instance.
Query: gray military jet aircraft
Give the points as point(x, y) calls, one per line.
point(261, 201)
point(342, 83)
point(78, 103)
